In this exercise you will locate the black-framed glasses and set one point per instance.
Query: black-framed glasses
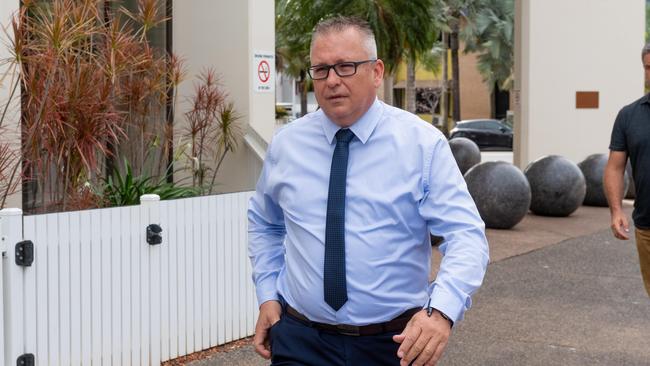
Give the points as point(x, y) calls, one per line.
point(342, 69)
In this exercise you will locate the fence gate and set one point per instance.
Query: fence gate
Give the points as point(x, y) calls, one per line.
point(100, 287)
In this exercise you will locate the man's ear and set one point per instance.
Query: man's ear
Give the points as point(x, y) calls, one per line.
point(378, 72)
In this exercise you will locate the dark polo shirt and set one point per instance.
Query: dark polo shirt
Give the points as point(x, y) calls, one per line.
point(631, 133)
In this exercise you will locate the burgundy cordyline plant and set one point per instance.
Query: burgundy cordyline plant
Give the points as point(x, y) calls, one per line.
point(9, 171)
point(9, 153)
point(213, 129)
point(94, 93)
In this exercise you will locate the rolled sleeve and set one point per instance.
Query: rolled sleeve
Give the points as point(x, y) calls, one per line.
point(618, 141)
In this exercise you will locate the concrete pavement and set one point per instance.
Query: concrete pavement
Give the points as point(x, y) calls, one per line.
point(559, 291)
point(580, 302)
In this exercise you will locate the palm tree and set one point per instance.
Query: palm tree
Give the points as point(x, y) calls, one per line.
point(420, 45)
point(647, 20)
point(492, 36)
point(294, 23)
point(457, 15)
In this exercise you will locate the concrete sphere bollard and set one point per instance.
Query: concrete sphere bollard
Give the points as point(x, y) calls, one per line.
point(557, 186)
point(501, 193)
point(631, 189)
point(593, 168)
point(466, 153)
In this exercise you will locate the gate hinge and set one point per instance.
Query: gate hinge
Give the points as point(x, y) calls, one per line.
point(25, 253)
point(25, 360)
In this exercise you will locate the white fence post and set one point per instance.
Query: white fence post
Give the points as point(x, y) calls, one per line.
point(152, 306)
point(11, 231)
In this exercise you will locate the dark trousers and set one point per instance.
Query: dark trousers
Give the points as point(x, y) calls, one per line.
point(295, 343)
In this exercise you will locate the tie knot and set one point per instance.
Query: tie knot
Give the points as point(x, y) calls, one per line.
point(344, 135)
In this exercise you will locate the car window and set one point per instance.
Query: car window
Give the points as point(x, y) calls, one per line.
point(492, 125)
point(474, 124)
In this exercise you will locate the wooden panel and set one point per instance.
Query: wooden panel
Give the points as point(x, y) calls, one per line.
point(105, 230)
point(75, 288)
point(173, 229)
point(183, 299)
point(86, 246)
point(145, 287)
point(115, 294)
point(11, 231)
point(230, 278)
point(213, 265)
point(196, 267)
point(136, 290)
point(587, 99)
point(221, 270)
point(64, 331)
point(125, 257)
point(41, 264)
point(154, 303)
point(205, 273)
point(31, 306)
point(96, 286)
point(165, 270)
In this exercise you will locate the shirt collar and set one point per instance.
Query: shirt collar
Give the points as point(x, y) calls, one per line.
point(647, 98)
point(362, 128)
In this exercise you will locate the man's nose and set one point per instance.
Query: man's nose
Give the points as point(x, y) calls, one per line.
point(333, 78)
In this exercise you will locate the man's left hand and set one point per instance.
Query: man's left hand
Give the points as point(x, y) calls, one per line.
point(423, 340)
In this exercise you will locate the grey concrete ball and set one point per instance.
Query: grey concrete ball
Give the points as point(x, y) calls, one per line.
point(466, 153)
point(593, 168)
point(501, 193)
point(557, 186)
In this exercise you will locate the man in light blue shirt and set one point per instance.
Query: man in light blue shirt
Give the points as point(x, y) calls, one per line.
point(339, 225)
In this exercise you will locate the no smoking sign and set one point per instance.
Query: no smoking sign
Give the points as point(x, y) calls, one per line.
point(264, 71)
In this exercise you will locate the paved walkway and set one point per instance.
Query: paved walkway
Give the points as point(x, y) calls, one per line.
point(559, 291)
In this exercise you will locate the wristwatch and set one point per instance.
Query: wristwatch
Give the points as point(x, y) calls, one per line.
point(430, 310)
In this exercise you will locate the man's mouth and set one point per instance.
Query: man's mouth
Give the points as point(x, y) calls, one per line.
point(336, 97)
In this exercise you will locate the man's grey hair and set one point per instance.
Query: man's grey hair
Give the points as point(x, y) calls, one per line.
point(645, 50)
point(341, 23)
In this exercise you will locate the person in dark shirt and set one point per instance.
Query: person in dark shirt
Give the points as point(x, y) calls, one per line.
point(631, 138)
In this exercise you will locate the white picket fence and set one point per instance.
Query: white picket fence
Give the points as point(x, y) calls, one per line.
point(98, 294)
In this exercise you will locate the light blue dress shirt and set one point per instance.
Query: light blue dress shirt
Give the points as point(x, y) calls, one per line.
point(402, 183)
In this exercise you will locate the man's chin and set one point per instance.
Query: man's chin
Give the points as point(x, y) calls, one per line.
point(338, 116)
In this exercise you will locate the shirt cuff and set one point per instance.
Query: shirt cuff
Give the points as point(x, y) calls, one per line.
point(267, 291)
point(447, 303)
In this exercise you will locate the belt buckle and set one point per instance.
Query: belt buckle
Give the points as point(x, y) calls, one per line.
point(349, 330)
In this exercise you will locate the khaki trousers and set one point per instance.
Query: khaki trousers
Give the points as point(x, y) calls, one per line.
point(643, 246)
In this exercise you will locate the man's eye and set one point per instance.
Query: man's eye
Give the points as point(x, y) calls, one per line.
point(320, 70)
point(345, 68)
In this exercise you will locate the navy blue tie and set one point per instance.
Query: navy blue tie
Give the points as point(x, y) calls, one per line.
point(334, 282)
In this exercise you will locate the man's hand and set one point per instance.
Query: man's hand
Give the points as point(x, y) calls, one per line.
point(620, 227)
point(270, 313)
point(423, 339)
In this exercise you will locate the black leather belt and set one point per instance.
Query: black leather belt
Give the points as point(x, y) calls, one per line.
point(396, 325)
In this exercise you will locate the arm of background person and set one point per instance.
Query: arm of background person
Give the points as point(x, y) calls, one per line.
point(614, 186)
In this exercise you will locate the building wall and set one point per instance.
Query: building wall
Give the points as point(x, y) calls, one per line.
point(11, 126)
point(223, 35)
point(474, 93)
point(567, 46)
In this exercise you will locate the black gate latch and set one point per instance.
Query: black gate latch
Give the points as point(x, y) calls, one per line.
point(154, 235)
point(25, 253)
